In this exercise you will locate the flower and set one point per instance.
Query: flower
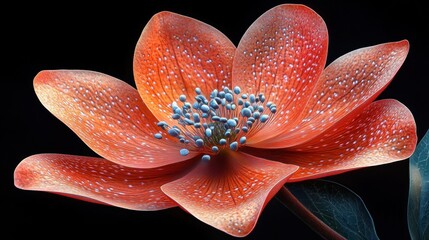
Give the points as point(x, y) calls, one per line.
point(218, 129)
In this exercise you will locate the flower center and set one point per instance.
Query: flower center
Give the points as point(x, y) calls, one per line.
point(217, 123)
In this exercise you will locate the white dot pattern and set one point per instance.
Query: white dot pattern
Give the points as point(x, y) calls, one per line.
point(176, 54)
point(282, 55)
point(384, 132)
point(230, 193)
point(98, 179)
point(108, 115)
point(349, 83)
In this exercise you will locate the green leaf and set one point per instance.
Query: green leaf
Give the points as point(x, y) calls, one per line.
point(336, 206)
point(418, 198)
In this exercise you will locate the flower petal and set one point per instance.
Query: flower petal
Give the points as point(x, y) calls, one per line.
point(108, 115)
point(346, 86)
point(230, 191)
point(98, 180)
point(174, 55)
point(384, 132)
point(282, 55)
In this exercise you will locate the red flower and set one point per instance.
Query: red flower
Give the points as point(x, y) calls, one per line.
point(218, 129)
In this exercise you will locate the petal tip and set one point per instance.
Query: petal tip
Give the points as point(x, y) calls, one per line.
point(23, 176)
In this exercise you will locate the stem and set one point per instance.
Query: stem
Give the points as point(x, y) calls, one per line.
point(296, 207)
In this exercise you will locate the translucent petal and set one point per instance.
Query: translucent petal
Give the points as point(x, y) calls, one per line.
point(281, 55)
point(346, 86)
point(229, 191)
point(384, 132)
point(174, 55)
point(98, 180)
point(109, 116)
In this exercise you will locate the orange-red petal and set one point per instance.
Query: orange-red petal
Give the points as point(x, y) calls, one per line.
point(282, 55)
point(174, 55)
point(108, 115)
point(384, 132)
point(98, 180)
point(346, 86)
point(230, 191)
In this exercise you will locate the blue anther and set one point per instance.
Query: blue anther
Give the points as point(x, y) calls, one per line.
point(182, 140)
point(236, 119)
point(178, 111)
point(222, 141)
point(260, 108)
point(188, 121)
point(231, 123)
point(187, 105)
point(240, 102)
point(237, 90)
point(252, 98)
point(197, 90)
point(204, 108)
point(228, 106)
point(226, 90)
point(237, 130)
point(174, 105)
point(233, 146)
point(223, 102)
point(244, 129)
point(264, 118)
point(228, 133)
point(247, 104)
point(205, 157)
point(249, 123)
point(199, 142)
point(182, 98)
point(244, 96)
point(205, 125)
point(162, 124)
point(252, 119)
point(215, 149)
point(256, 115)
point(208, 132)
point(269, 104)
point(205, 115)
point(216, 118)
point(158, 135)
point(218, 100)
point(197, 125)
point(214, 104)
point(196, 117)
point(184, 151)
point(251, 108)
point(174, 132)
point(223, 120)
point(273, 110)
point(262, 98)
point(233, 106)
point(187, 115)
point(196, 106)
point(214, 93)
point(245, 112)
point(221, 94)
point(242, 140)
point(195, 137)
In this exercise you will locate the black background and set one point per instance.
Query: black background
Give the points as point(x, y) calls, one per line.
point(102, 38)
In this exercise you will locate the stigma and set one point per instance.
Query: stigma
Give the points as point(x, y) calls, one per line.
point(216, 123)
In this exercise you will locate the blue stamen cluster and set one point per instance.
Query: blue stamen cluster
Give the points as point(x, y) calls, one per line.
point(218, 122)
